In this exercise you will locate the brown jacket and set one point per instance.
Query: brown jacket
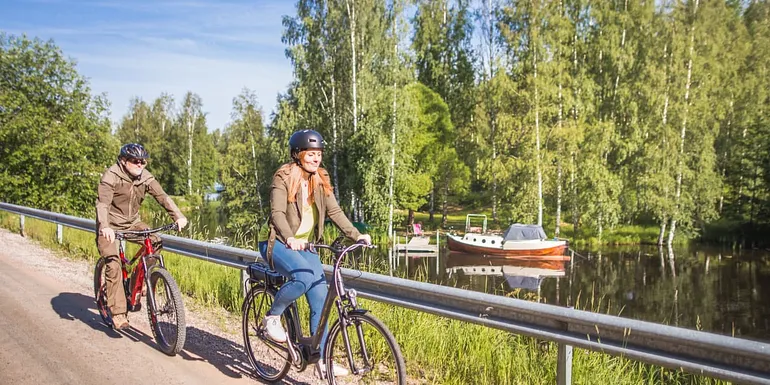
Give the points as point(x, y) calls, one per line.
point(119, 199)
point(285, 216)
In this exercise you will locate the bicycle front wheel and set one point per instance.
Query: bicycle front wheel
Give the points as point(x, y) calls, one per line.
point(366, 349)
point(167, 316)
point(270, 360)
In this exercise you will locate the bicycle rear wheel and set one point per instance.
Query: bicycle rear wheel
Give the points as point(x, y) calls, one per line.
point(100, 292)
point(167, 317)
point(367, 342)
point(270, 360)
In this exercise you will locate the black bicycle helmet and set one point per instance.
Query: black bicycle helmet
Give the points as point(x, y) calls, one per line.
point(133, 151)
point(304, 140)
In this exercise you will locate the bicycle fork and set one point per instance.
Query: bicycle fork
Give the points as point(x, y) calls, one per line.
point(344, 323)
point(157, 262)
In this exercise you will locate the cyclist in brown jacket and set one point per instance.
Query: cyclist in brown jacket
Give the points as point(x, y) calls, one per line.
point(121, 192)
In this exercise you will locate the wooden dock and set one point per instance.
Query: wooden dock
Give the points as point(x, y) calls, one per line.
point(417, 245)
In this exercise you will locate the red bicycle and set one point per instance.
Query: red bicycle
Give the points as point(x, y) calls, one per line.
point(165, 308)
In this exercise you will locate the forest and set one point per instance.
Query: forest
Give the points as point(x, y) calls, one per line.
point(595, 114)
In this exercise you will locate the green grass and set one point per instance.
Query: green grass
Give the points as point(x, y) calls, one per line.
point(437, 350)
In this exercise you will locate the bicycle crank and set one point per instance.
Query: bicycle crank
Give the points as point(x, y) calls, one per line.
point(296, 358)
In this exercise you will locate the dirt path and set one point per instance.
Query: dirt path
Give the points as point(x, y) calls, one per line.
point(50, 331)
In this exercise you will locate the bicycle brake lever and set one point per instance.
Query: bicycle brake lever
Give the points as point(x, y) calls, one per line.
point(365, 244)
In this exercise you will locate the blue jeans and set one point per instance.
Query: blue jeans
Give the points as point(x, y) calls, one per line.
point(306, 277)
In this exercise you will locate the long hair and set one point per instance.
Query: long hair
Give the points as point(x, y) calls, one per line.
point(318, 180)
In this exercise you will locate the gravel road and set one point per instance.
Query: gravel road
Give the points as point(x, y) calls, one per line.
point(51, 333)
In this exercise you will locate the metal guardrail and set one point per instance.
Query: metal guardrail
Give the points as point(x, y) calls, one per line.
point(708, 354)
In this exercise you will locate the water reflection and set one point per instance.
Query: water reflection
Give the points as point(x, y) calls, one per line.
point(517, 273)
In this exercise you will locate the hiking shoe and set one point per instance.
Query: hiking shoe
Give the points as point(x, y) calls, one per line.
point(339, 371)
point(120, 321)
point(274, 329)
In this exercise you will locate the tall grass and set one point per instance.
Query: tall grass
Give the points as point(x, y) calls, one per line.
point(437, 350)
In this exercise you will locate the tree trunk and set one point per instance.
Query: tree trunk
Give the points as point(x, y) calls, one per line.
point(445, 204)
point(393, 141)
point(558, 158)
point(190, 123)
point(537, 142)
point(680, 167)
point(335, 140)
point(352, 15)
point(662, 233)
point(558, 199)
point(256, 164)
point(573, 190)
point(601, 227)
point(351, 6)
point(432, 204)
point(492, 117)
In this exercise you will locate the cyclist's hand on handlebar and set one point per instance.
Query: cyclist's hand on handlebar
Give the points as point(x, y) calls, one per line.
point(107, 233)
point(296, 244)
point(181, 223)
point(365, 239)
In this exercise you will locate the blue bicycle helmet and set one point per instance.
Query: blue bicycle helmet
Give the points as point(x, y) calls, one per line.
point(133, 151)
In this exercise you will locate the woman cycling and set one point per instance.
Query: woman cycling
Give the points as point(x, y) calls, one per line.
point(301, 197)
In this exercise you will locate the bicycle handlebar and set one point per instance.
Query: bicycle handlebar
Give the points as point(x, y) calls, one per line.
point(121, 234)
point(340, 251)
point(338, 248)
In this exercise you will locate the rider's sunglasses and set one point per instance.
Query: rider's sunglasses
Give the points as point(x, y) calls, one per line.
point(138, 161)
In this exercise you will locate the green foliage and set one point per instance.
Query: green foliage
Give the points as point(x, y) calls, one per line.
point(55, 135)
point(598, 113)
point(247, 166)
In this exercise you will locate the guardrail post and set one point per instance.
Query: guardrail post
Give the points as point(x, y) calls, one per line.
point(59, 233)
point(564, 363)
point(21, 225)
point(245, 277)
point(244, 280)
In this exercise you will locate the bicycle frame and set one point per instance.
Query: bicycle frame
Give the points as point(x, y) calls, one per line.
point(149, 270)
point(344, 300)
point(139, 272)
point(350, 335)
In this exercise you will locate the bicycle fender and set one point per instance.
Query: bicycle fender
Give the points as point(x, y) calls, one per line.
point(358, 312)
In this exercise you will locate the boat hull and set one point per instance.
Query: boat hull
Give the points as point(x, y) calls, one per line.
point(550, 249)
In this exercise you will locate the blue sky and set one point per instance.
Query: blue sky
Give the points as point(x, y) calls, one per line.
point(142, 48)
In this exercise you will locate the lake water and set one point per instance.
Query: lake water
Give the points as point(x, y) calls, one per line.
point(696, 287)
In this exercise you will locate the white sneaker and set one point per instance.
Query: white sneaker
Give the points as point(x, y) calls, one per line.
point(339, 371)
point(274, 329)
